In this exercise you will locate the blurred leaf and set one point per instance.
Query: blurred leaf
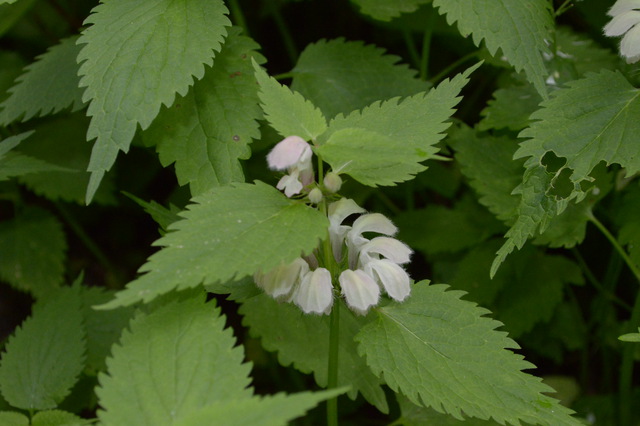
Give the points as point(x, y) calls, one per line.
point(12, 65)
point(510, 108)
point(384, 10)
point(415, 415)
point(162, 215)
point(13, 418)
point(58, 418)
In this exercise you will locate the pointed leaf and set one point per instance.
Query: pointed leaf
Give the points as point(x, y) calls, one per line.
point(173, 361)
point(208, 131)
point(341, 76)
point(58, 418)
point(229, 233)
point(49, 85)
point(384, 10)
point(162, 215)
point(520, 29)
point(45, 355)
point(414, 415)
point(510, 108)
point(136, 57)
point(13, 418)
point(13, 163)
point(288, 112)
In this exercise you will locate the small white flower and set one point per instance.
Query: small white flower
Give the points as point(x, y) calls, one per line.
point(373, 222)
point(332, 181)
point(359, 290)
point(281, 281)
point(315, 293)
point(626, 17)
point(315, 196)
point(392, 249)
point(338, 212)
point(394, 279)
point(290, 183)
point(290, 152)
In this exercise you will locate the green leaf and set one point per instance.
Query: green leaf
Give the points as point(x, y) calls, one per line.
point(288, 112)
point(11, 142)
point(10, 13)
point(13, 418)
point(630, 337)
point(414, 415)
point(274, 410)
point(384, 10)
point(32, 252)
point(341, 76)
point(45, 355)
point(385, 142)
point(229, 233)
point(49, 85)
point(510, 108)
point(136, 57)
point(208, 131)
point(162, 215)
point(302, 340)
point(12, 64)
point(58, 418)
point(13, 163)
point(441, 352)
point(172, 362)
point(519, 29)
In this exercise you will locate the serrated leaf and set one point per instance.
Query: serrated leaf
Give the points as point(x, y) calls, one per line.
point(406, 131)
point(583, 53)
point(137, 56)
point(13, 163)
point(384, 10)
point(45, 355)
point(519, 29)
point(162, 215)
point(288, 112)
point(341, 76)
point(302, 340)
point(208, 131)
point(32, 252)
point(269, 410)
point(11, 142)
point(48, 85)
point(171, 362)
point(58, 418)
point(414, 415)
point(441, 352)
point(13, 418)
point(510, 108)
point(228, 233)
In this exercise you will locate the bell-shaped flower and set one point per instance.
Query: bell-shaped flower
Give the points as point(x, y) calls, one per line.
point(290, 183)
point(394, 250)
point(393, 278)
point(359, 289)
point(315, 293)
point(281, 281)
point(373, 222)
point(626, 17)
point(290, 152)
point(338, 212)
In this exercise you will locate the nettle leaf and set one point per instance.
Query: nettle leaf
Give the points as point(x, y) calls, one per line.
point(288, 112)
point(441, 352)
point(12, 64)
point(58, 418)
point(273, 410)
point(32, 252)
point(385, 142)
point(49, 85)
point(384, 10)
point(13, 418)
point(510, 108)
point(583, 53)
point(519, 29)
point(164, 216)
point(11, 13)
point(172, 362)
point(46, 354)
point(228, 233)
point(11, 142)
point(302, 340)
point(14, 163)
point(415, 415)
point(136, 57)
point(208, 131)
point(341, 76)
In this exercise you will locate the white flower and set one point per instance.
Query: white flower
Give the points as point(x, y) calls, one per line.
point(373, 222)
point(289, 152)
point(315, 293)
point(281, 281)
point(290, 183)
point(386, 272)
point(626, 16)
point(338, 212)
point(359, 290)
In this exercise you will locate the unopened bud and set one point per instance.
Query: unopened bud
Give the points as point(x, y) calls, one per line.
point(332, 182)
point(315, 195)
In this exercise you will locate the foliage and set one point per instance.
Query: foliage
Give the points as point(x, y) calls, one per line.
point(488, 145)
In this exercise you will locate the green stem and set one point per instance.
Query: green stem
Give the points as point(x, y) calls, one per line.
point(448, 70)
point(411, 47)
point(289, 45)
point(426, 46)
point(334, 344)
point(238, 17)
point(623, 254)
point(563, 8)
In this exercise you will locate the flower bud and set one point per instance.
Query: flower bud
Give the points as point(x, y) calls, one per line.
point(332, 182)
point(315, 196)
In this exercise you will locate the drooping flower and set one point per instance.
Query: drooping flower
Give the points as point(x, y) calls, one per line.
point(315, 293)
point(626, 17)
point(372, 222)
point(281, 282)
point(338, 212)
point(359, 290)
point(294, 155)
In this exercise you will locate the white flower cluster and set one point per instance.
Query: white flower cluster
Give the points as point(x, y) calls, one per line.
point(626, 17)
point(369, 265)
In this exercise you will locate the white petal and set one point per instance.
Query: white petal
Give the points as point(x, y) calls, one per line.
point(315, 294)
point(338, 212)
point(280, 281)
point(359, 290)
point(390, 248)
point(394, 279)
point(290, 184)
point(630, 44)
point(620, 24)
point(374, 222)
point(289, 152)
point(622, 6)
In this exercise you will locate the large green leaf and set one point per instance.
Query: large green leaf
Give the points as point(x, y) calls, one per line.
point(519, 28)
point(385, 143)
point(441, 352)
point(171, 363)
point(228, 233)
point(302, 340)
point(288, 112)
point(49, 85)
point(137, 55)
point(341, 76)
point(415, 415)
point(208, 131)
point(384, 10)
point(32, 251)
point(46, 354)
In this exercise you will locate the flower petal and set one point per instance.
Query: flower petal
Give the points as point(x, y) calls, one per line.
point(289, 152)
point(280, 281)
point(374, 222)
point(394, 279)
point(392, 249)
point(630, 44)
point(359, 290)
point(290, 183)
point(315, 294)
point(622, 23)
point(622, 6)
point(338, 212)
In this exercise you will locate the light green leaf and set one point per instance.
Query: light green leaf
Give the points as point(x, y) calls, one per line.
point(32, 252)
point(228, 233)
point(385, 142)
point(208, 131)
point(13, 418)
point(441, 352)
point(7, 1)
point(172, 362)
point(520, 29)
point(58, 418)
point(384, 10)
point(136, 57)
point(274, 410)
point(45, 355)
point(288, 112)
point(631, 337)
point(302, 340)
point(48, 85)
point(341, 76)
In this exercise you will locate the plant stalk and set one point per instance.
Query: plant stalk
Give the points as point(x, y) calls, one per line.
point(334, 344)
